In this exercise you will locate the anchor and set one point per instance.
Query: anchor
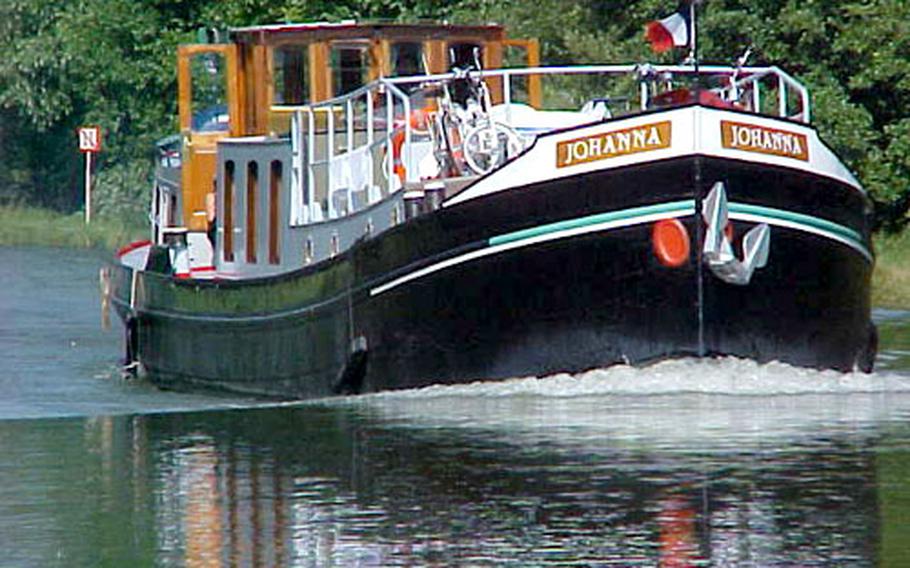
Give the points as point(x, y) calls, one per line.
point(718, 250)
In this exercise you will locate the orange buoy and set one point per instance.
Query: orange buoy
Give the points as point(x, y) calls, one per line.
point(670, 242)
point(418, 122)
point(397, 164)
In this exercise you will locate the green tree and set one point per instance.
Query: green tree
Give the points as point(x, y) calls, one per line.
point(64, 64)
point(112, 63)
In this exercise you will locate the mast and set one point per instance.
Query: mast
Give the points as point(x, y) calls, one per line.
point(693, 19)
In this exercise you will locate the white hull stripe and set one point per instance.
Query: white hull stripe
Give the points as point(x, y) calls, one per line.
point(552, 232)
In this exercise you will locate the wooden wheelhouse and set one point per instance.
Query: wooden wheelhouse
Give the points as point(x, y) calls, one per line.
point(250, 85)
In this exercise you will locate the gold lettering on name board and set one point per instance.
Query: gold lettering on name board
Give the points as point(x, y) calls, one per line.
point(763, 140)
point(605, 145)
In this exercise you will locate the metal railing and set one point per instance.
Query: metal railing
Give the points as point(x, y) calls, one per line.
point(740, 78)
point(349, 143)
point(376, 114)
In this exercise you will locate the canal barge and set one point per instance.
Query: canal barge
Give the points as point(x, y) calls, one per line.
point(356, 207)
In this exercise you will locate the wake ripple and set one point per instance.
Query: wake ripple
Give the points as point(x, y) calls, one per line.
point(687, 405)
point(722, 376)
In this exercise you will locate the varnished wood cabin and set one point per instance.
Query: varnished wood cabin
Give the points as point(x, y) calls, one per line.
point(250, 85)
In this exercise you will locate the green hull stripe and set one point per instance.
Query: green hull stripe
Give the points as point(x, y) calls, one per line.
point(797, 218)
point(684, 207)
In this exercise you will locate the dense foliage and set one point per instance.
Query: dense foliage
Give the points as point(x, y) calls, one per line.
point(111, 62)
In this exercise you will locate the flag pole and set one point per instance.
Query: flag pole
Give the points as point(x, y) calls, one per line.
point(693, 18)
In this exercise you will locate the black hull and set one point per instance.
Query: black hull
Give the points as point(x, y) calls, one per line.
point(449, 298)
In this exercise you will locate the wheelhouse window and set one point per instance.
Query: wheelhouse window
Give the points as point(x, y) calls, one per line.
point(517, 56)
point(290, 72)
point(407, 58)
point(350, 67)
point(463, 55)
point(209, 93)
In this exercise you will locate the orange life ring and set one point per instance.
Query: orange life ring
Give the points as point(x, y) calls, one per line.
point(397, 164)
point(417, 121)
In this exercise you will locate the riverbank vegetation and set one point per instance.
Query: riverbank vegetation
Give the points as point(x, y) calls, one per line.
point(43, 227)
point(891, 279)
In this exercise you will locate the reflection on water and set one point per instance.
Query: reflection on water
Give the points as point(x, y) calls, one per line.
point(455, 479)
point(683, 463)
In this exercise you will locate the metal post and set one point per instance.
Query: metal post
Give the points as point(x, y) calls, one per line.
point(349, 131)
point(507, 96)
point(369, 95)
point(693, 17)
point(311, 157)
point(88, 187)
point(330, 158)
point(299, 201)
point(756, 96)
point(409, 170)
point(389, 118)
point(781, 97)
point(372, 181)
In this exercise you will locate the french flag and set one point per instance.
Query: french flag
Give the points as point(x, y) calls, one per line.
point(672, 31)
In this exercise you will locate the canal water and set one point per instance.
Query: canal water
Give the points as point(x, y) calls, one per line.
point(685, 463)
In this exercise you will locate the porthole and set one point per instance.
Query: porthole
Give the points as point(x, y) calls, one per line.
point(308, 251)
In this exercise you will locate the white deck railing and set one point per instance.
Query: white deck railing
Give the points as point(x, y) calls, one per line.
point(349, 139)
point(344, 150)
point(743, 78)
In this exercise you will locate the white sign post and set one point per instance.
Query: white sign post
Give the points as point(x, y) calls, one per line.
point(89, 143)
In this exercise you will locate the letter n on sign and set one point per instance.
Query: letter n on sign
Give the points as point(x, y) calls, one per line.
point(90, 139)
